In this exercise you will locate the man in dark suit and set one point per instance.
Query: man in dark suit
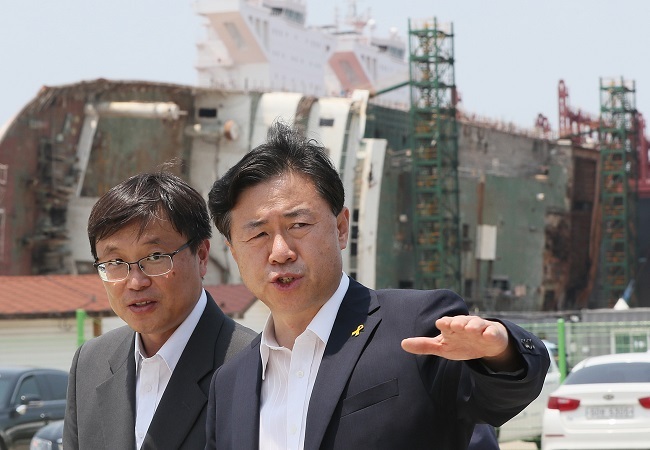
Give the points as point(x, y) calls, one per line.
point(145, 385)
point(339, 365)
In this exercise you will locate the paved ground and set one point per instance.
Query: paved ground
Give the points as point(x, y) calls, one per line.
point(518, 445)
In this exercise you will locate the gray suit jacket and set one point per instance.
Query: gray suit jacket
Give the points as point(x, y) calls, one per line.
point(369, 393)
point(100, 410)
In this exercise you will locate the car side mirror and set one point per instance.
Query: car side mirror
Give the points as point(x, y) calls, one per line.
point(26, 401)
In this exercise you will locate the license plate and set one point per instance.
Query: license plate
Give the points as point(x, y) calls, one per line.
point(610, 412)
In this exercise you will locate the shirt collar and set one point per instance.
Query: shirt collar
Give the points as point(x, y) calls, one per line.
point(321, 325)
point(172, 350)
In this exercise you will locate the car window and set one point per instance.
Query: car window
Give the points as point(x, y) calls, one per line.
point(58, 385)
point(611, 373)
point(5, 385)
point(28, 387)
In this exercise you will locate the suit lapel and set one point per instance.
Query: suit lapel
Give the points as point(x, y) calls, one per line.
point(343, 349)
point(116, 397)
point(184, 398)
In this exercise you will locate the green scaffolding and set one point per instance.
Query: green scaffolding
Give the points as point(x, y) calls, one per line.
point(434, 146)
point(618, 166)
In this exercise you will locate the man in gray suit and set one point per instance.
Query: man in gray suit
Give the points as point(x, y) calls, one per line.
point(145, 385)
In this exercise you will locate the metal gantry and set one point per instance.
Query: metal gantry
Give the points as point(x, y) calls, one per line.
point(434, 144)
point(618, 176)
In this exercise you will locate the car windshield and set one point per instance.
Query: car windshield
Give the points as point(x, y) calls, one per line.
point(622, 372)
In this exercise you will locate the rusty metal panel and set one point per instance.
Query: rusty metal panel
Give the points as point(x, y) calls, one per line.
point(584, 180)
point(583, 201)
point(39, 149)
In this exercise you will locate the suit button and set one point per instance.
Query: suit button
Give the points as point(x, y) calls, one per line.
point(528, 344)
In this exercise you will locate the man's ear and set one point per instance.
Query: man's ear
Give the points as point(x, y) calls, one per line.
point(343, 226)
point(203, 252)
point(231, 248)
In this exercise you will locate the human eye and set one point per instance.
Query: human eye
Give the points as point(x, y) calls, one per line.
point(154, 257)
point(112, 263)
point(300, 226)
point(257, 236)
point(112, 269)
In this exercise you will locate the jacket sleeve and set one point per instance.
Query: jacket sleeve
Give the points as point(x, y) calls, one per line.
point(211, 419)
point(474, 393)
point(70, 434)
point(502, 396)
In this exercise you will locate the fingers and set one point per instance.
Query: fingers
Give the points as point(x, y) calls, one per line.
point(461, 338)
point(422, 345)
point(472, 325)
point(462, 323)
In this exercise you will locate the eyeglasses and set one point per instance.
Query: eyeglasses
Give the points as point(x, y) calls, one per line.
point(152, 265)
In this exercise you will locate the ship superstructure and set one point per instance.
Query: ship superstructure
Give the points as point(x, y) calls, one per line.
point(265, 45)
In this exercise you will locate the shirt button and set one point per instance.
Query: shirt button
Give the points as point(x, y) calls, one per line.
point(293, 429)
point(147, 388)
point(300, 374)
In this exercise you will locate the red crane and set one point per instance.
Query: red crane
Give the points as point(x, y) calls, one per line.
point(579, 126)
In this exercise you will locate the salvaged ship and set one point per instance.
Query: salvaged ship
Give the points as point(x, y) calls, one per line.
point(531, 230)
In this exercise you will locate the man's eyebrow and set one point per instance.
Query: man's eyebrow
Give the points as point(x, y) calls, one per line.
point(114, 248)
point(110, 249)
point(298, 212)
point(254, 224)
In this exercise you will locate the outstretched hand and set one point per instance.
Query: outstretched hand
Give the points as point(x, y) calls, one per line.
point(467, 337)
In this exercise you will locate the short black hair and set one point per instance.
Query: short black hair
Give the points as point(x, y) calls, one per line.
point(146, 197)
point(285, 151)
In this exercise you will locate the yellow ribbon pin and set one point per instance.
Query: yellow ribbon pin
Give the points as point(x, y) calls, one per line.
point(357, 331)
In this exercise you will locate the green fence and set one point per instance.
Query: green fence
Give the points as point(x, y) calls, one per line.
point(578, 340)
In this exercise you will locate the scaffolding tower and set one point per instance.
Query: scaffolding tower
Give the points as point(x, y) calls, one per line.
point(434, 144)
point(618, 178)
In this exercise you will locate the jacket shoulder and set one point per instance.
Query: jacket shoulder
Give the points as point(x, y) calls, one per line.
point(109, 341)
point(439, 299)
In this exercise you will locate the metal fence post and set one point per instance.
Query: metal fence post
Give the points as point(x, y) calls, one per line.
point(81, 318)
point(561, 348)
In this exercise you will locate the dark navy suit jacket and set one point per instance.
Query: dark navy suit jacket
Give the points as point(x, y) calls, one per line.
point(369, 393)
point(484, 438)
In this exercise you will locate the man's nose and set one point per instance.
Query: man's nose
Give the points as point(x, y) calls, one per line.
point(137, 279)
point(281, 250)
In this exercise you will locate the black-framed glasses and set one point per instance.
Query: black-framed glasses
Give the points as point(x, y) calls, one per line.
point(152, 265)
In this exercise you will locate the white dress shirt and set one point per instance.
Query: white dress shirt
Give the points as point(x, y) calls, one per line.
point(153, 373)
point(288, 377)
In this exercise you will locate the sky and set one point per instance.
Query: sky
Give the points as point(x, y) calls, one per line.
point(510, 54)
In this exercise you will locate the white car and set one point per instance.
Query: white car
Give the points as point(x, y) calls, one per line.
point(603, 404)
point(527, 425)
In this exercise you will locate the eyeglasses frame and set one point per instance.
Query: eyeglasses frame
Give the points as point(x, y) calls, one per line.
point(171, 257)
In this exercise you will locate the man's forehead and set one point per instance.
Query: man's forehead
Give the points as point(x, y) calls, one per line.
point(142, 231)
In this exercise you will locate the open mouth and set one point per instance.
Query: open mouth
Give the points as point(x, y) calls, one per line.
point(146, 302)
point(285, 280)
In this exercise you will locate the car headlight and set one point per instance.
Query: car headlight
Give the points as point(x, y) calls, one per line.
point(40, 444)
